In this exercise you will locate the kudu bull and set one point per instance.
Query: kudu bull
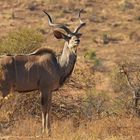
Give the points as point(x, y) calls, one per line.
point(41, 70)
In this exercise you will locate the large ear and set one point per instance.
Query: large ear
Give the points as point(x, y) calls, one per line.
point(59, 35)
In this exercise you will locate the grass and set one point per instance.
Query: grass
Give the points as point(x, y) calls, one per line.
point(115, 128)
point(21, 41)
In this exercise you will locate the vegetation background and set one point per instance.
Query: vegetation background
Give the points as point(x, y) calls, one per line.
point(96, 103)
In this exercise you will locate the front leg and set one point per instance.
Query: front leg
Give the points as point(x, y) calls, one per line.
point(46, 99)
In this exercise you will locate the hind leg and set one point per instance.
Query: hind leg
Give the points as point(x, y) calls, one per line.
point(4, 88)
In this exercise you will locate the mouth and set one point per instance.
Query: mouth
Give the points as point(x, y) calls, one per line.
point(75, 45)
point(77, 42)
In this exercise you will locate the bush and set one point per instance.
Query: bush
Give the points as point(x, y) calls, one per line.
point(126, 82)
point(126, 5)
point(138, 18)
point(21, 41)
point(135, 36)
point(95, 104)
point(118, 81)
point(123, 104)
point(91, 56)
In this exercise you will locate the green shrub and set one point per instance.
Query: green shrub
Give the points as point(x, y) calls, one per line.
point(138, 18)
point(91, 56)
point(21, 41)
point(119, 82)
point(123, 104)
point(95, 104)
point(126, 5)
point(125, 81)
point(106, 38)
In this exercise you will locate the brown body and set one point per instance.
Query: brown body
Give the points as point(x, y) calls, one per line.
point(27, 73)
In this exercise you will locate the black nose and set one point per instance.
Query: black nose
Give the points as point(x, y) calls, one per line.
point(78, 41)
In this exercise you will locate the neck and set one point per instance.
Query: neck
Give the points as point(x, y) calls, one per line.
point(66, 61)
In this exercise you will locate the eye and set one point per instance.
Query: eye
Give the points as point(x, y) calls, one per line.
point(68, 38)
point(79, 35)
